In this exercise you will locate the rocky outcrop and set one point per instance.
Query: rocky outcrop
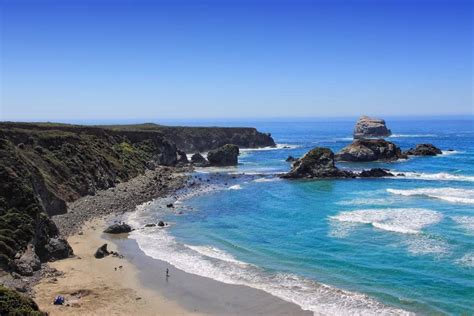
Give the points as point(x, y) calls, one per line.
point(424, 150)
point(226, 155)
point(291, 159)
point(375, 173)
point(28, 262)
point(13, 303)
point(56, 249)
point(317, 163)
point(198, 160)
point(364, 150)
point(368, 127)
point(118, 228)
point(102, 252)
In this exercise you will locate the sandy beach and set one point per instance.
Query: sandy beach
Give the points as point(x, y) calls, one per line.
point(99, 286)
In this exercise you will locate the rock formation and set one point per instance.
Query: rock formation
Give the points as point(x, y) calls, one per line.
point(317, 163)
point(226, 155)
point(198, 160)
point(367, 127)
point(119, 228)
point(375, 173)
point(364, 150)
point(102, 252)
point(424, 150)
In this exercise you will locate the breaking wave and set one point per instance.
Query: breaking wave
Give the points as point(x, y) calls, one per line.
point(453, 195)
point(400, 220)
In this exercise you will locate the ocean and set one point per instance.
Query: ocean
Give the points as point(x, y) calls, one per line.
point(387, 246)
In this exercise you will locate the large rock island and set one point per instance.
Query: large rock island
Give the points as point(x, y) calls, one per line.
point(317, 163)
point(369, 127)
point(364, 150)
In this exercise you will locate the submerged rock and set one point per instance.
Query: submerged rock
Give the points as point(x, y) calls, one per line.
point(102, 252)
point(198, 160)
point(367, 127)
point(226, 155)
point(317, 163)
point(424, 150)
point(118, 229)
point(376, 173)
point(362, 150)
point(291, 159)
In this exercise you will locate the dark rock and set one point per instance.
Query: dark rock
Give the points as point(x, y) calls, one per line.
point(150, 225)
point(118, 229)
point(317, 163)
point(363, 150)
point(367, 127)
point(102, 252)
point(161, 223)
point(170, 205)
point(291, 159)
point(182, 158)
point(198, 160)
point(28, 262)
point(424, 150)
point(226, 155)
point(58, 248)
point(375, 173)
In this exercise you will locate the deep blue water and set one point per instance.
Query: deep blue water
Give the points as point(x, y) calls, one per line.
point(405, 242)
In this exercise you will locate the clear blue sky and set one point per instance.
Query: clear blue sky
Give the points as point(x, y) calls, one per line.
point(117, 59)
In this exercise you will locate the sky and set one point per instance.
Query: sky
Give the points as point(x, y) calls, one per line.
point(64, 60)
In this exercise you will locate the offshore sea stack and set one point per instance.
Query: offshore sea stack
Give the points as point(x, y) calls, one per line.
point(364, 150)
point(369, 127)
point(317, 163)
point(226, 155)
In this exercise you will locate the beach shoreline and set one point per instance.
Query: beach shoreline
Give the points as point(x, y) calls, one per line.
point(140, 286)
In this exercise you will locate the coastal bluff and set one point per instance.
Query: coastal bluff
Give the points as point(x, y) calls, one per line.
point(44, 166)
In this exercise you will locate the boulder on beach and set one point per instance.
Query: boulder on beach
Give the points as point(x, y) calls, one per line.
point(424, 150)
point(376, 173)
point(369, 127)
point(119, 228)
point(102, 252)
point(363, 150)
point(317, 163)
point(198, 160)
point(28, 262)
point(226, 155)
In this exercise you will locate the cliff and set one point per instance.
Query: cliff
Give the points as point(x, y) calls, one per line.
point(43, 166)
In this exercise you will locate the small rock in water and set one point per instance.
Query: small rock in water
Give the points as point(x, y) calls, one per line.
point(161, 223)
point(169, 205)
point(150, 225)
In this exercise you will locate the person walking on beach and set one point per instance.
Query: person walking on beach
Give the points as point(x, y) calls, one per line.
point(167, 274)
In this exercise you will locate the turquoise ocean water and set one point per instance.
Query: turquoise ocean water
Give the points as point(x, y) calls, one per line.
point(351, 246)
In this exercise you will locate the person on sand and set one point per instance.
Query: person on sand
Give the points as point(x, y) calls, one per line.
point(167, 274)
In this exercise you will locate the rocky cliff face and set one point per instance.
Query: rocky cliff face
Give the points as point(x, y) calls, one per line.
point(44, 166)
point(370, 150)
point(368, 127)
point(199, 139)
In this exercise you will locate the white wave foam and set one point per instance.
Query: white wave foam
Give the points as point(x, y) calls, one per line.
point(402, 220)
point(442, 176)
point(221, 266)
point(467, 260)
point(466, 222)
point(266, 179)
point(235, 187)
point(368, 201)
point(427, 245)
point(451, 152)
point(452, 195)
point(411, 135)
point(277, 147)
